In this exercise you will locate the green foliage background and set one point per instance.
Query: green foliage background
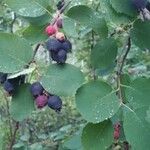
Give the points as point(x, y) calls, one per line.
point(98, 86)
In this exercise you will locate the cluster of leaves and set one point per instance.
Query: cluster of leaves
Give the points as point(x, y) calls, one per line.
point(103, 101)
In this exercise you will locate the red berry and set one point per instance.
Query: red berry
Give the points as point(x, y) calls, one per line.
point(116, 134)
point(41, 101)
point(117, 126)
point(50, 30)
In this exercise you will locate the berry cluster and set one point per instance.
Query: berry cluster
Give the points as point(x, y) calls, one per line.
point(58, 45)
point(10, 85)
point(42, 98)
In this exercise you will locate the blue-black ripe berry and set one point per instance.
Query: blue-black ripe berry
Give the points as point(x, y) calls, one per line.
point(54, 55)
point(55, 103)
point(139, 4)
point(148, 6)
point(53, 44)
point(60, 4)
point(36, 89)
point(67, 46)
point(3, 77)
point(61, 56)
point(8, 87)
point(41, 101)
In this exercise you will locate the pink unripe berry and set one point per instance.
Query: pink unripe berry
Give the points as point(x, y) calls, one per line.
point(41, 101)
point(50, 30)
point(116, 134)
point(60, 36)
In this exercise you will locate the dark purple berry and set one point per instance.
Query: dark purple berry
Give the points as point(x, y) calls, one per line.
point(53, 44)
point(62, 56)
point(36, 89)
point(8, 87)
point(41, 101)
point(3, 77)
point(54, 55)
point(60, 4)
point(67, 46)
point(60, 23)
point(15, 81)
point(148, 6)
point(55, 103)
point(139, 4)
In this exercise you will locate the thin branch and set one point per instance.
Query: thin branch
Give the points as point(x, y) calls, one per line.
point(125, 55)
point(34, 54)
point(35, 51)
point(13, 21)
point(121, 62)
point(14, 136)
point(92, 46)
point(7, 111)
point(60, 12)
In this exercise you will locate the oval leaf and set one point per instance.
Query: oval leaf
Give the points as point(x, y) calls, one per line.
point(62, 80)
point(22, 103)
point(136, 129)
point(96, 101)
point(97, 136)
point(34, 34)
point(15, 53)
point(125, 7)
point(138, 93)
point(103, 55)
point(28, 8)
point(89, 18)
point(140, 34)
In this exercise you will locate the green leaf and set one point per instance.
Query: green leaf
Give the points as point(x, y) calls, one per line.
point(104, 53)
point(39, 21)
point(96, 101)
point(62, 80)
point(73, 143)
point(28, 8)
point(137, 130)
point(35, 34)
point(111, 15)
point(97, 136)
point(140, 34)
point(69, 26)
point(15, 53)
point(138, 93)
point(89, 18)
point(22, 103)
point(125, 7)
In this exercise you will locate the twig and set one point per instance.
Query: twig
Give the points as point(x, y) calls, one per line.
point(13, 21)
point(92, 46)
point(125, 55)
point(35, 51)
point(14, 136)
point(60, 12)
point(7, 111)
point(34, 54)
point(120, 68)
